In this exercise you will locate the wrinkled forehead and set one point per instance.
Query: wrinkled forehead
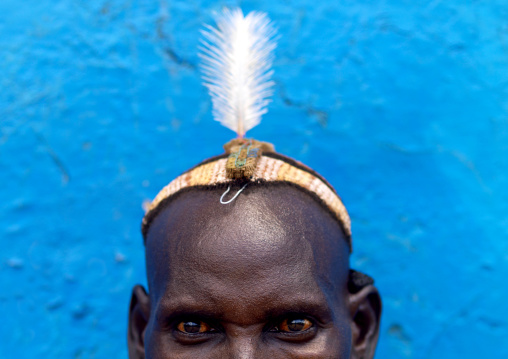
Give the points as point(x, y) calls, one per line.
point(264, 226)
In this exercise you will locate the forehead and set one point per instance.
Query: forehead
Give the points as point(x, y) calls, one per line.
point(269, 236)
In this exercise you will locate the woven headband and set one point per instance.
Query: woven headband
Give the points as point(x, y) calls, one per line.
point(246, 161)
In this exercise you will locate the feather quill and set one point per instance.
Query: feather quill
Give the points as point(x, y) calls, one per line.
point(236, 59)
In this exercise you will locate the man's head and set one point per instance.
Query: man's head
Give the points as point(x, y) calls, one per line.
point(265, 276)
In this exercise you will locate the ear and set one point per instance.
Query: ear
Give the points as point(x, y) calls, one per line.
point(139, 312)
point(365, 310)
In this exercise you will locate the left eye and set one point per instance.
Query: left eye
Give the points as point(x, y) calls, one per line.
point(193, 327)
point(293, 325)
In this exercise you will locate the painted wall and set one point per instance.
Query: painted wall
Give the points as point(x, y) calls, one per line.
point(401, 105)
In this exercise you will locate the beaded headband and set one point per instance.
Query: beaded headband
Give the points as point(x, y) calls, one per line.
point(253, 161)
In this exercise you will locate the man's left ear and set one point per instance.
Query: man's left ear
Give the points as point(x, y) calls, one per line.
point(139, 313)
point(365, 311)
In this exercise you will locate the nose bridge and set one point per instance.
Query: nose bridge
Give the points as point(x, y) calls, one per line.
point(243, 344)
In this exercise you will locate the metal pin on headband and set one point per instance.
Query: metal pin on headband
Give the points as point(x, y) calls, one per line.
point(234, 197)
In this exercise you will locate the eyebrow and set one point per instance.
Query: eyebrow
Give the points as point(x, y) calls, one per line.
point(320, 311)
point(172, 308)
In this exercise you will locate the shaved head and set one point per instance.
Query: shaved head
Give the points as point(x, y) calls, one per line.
point(264, 276)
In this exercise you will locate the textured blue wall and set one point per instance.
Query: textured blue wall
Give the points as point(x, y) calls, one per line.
point(402, 105)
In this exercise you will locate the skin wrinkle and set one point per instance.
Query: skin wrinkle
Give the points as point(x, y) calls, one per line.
point(268, 253)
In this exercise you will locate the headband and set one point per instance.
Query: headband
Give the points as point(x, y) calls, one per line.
point(253, 161)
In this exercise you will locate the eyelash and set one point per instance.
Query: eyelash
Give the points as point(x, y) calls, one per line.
point(296, 336)
point(213, 327)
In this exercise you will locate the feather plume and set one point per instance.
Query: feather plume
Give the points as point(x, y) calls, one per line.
point(236, 59)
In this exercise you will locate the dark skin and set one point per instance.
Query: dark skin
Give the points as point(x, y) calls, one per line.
point(263, 277)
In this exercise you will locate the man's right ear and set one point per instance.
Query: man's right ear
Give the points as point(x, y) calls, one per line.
point(139, 313)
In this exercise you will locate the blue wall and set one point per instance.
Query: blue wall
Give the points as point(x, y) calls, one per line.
point(402, 105)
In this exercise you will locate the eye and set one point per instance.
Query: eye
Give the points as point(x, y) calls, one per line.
point(193, 327)
point(293, 325)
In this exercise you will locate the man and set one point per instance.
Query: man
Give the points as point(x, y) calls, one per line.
point(263, 276)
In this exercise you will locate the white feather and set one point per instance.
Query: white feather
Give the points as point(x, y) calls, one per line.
point(236, 59)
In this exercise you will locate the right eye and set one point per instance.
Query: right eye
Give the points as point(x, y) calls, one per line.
point(194, 327)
